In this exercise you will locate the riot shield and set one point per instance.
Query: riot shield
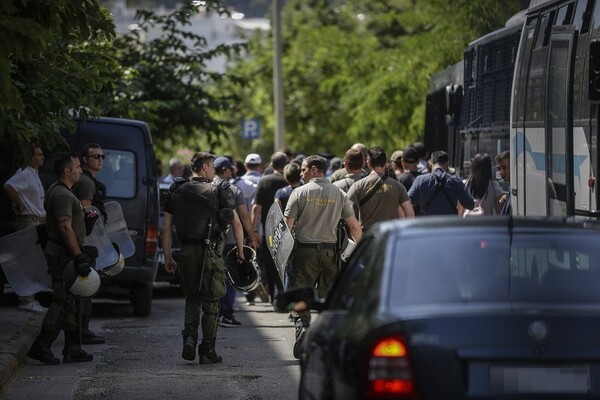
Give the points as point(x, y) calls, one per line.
point(107, 255)
point(23, 261)
point(117, 230)
point(279, 239)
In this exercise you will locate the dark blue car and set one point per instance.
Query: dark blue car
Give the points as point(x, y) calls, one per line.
point(451, 308)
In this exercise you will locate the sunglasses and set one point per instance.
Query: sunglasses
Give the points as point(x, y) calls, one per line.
point(97, 156)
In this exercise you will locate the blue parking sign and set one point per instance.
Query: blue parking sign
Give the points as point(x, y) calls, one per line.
point(251, 128)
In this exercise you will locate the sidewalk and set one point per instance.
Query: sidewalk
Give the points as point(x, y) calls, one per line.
point(18, 330)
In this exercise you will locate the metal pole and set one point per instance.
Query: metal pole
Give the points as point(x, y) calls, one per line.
point(278, 78)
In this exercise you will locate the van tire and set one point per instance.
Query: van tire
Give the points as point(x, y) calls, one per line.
point(142, 300)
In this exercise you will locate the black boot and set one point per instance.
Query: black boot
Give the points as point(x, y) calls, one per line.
point(207, 353)
point(40, 350)
point(72, 352)
point(190, 339)
point(75, 354)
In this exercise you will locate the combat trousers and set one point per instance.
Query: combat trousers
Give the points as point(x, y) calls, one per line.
point(62, 313)
point(191, 258)
point(310, 267)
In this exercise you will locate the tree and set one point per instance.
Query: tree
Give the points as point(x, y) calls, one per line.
point(52, 54)
point(164, 80)
point(360, 71)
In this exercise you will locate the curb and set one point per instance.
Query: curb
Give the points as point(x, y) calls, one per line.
point(13, 354)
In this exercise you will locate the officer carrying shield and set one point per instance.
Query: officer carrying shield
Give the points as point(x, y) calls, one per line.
point(65, 226)
point(201, 211)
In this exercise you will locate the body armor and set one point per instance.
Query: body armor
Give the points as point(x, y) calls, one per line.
point(195, 204)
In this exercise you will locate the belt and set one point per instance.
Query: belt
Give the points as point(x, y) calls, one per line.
point(318, 246)
point(211, 245)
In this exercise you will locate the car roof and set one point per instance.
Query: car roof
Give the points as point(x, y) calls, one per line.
point(452, 222)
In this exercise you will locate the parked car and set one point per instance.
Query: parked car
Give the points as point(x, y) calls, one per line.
point(130, 176)
point(448, 308)
point(162, 275)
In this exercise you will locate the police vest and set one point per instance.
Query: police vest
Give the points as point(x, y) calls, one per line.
point(195, 206)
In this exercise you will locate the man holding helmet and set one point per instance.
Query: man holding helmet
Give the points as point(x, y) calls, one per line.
point(201, 211)
point(66, 229)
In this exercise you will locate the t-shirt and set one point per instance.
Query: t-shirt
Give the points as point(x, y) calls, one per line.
point(347, 181)
point(265, 192)
point(247, 184)
point(26, 182)
point(424, 192)
point(62, 205)
point(317, 208)
point(283, 195)
point(407, 178)
point(488, 202)
point(383, 205)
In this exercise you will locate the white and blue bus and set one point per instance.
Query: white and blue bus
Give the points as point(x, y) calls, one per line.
point(554, 110)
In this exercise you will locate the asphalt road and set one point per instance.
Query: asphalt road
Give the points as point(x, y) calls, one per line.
point(142, 358)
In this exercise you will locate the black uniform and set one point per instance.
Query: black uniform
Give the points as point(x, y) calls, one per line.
point(195, 206)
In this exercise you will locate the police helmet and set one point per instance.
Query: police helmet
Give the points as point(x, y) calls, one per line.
point(116, 268)
point(82, 286)
point(243, 275)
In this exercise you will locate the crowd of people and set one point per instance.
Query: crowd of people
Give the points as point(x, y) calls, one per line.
point(219, 206)
point(317, 195)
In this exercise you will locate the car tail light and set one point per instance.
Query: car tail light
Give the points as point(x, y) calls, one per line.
point(389, 373)
point(151, 237)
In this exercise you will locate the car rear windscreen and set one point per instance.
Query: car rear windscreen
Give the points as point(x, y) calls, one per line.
point(481, 266)
point(119, 173)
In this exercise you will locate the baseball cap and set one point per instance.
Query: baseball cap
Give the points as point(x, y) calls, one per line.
point(222, 163)
point(410, 155)
point(397, 155)
point(253, 158)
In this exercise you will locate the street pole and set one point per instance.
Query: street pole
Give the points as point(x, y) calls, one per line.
point(278, 77)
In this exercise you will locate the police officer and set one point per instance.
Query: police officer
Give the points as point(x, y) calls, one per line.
point(313, 213)
point(65, 227)
point(200, 212)
point(91, 192)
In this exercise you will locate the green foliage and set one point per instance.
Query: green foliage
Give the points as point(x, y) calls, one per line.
point(164, 81)
point(52, 53)
point(359, 71)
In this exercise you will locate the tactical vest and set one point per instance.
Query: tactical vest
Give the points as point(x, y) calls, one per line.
point(195, 204)
point(99, 195)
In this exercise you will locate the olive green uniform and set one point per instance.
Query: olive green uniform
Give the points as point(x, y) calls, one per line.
point(194, 206)
point(383, 205)
point(317, 208)
point(61, 204)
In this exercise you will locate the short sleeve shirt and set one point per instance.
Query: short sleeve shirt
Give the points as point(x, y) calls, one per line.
point(85, 188)
point(488, 202)
point(317, 208)
point(62, 205)
point(424, 189)
point(347, 181)
point(265, 192)
point(383, 205)
point(26, 182)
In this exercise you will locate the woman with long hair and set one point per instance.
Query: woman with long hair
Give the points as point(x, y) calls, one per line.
point(485, 190)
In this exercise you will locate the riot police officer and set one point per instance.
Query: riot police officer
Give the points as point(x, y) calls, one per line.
point(201, 212)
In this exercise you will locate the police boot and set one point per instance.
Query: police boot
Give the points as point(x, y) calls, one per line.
point(190, 339)
point(72, 352)
point(40, 350)
point(207, 353)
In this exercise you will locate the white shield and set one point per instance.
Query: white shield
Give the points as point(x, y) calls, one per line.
point(107, 256)
point(117, 230)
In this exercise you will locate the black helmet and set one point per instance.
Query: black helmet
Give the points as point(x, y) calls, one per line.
point(243, 275)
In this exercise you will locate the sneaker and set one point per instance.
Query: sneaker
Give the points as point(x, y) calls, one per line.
point(33, 306)
point(229, 321)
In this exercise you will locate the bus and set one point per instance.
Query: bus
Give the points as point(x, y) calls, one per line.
point(554, 112)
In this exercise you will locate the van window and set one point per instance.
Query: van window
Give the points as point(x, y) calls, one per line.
point(119, 173)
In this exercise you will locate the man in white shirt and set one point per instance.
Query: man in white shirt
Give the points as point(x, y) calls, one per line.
point(27, 195)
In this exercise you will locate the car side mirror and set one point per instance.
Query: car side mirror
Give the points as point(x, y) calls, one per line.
point(299, 299)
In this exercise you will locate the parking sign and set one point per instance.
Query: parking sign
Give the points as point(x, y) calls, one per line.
point(251, 128)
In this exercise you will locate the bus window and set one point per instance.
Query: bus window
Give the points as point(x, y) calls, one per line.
point(582, 15)
point(521, 73)
point(565, 13)
point(543, 32)
point(597, 17)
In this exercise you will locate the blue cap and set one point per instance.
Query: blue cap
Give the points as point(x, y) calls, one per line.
point(222, 163)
